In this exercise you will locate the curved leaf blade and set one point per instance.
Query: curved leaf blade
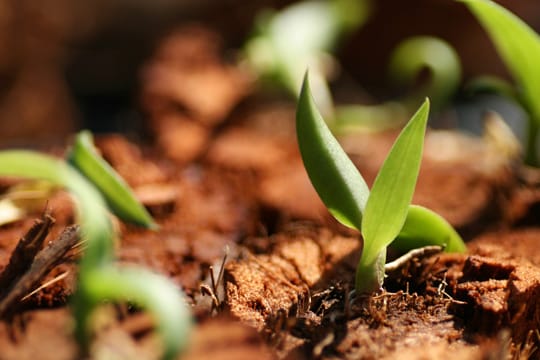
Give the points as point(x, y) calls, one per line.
point(33, 165)
point(114, 189)
point(392, 191)
point(91, 206)
point(424, 227)
point(157, 294)
point(517, 44)
point(418, 53)
point(333, 175)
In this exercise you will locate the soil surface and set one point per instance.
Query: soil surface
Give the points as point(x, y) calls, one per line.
point(222, 176)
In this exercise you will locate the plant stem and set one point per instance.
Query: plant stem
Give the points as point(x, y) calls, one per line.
point(370, 276)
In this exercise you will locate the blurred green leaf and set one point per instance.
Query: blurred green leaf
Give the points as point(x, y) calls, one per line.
point(116, 191)
point(153, 292)
point(418, 53)
point(519, 47)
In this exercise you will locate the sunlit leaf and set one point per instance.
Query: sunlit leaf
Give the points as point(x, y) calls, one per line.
point(519, 47)
point(332, 173)
point(423, 227)
point(392, 191)
point(23, 198)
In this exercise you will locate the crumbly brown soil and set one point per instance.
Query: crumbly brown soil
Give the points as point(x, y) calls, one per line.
point(226, 182)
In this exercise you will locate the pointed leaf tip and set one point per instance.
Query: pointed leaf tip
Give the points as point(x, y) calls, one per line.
point(333, 175)
point(393, 189)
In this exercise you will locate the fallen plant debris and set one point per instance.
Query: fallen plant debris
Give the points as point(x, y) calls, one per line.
point(30, 262)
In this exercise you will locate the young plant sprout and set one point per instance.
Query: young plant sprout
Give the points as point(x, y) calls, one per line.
point(519, 47)
point(304, 33)
point(95, 186)
point(384, 214)
point(410, 57)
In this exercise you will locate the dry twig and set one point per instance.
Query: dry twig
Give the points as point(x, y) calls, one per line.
point(29, 263)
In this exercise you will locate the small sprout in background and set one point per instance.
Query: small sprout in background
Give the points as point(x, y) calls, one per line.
point(114, 189)
point(418, 53)
point(304, 34)
point(95, 186)
point(519, 47)
point(301, 35)
point(383, 215)
point(408, 60)
point(21, 199)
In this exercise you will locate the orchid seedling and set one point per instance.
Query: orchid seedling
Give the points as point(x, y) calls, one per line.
point(383, 215)
point(409, 59)
point(96, 187)
point(519, 47)
point(301, 34)
point(305, 33)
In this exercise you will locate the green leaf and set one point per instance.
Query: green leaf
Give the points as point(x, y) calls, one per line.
point(418, 53)
point(491, 84)
point(517, 44)
point(91, 207)
point(98, 279)
point(519, 47)
point(392, 191)
point(116, 191)
point(424, 227)
point(32, 165)
point(333, 175)
point(153, 292)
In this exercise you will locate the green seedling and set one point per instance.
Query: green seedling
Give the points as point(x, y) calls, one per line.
point(286, 41)
point(114, 189)
point(384, 214)
point(519, 47)
point(306, 33)
point(95, 187)
point(409, 59)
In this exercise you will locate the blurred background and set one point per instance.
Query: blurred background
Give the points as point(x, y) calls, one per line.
point(71, 64)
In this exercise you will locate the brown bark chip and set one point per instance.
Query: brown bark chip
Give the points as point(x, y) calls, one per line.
point(188, 71)
point(499, 294)
point(260, 286)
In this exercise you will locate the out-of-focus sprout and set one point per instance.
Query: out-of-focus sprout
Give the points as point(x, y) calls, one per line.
point(426, 53)
point(519, 47)
point(99, 278)
point(299, 36)
point(409, 59)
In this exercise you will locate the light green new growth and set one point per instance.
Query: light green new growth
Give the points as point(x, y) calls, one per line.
point(99, 279)
point(519, 47)
point(389, 200)
point(393, 189)
point(408, 60)
point(334, 176)
point(418, 53)
point(114, 189)
point(384, 215)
